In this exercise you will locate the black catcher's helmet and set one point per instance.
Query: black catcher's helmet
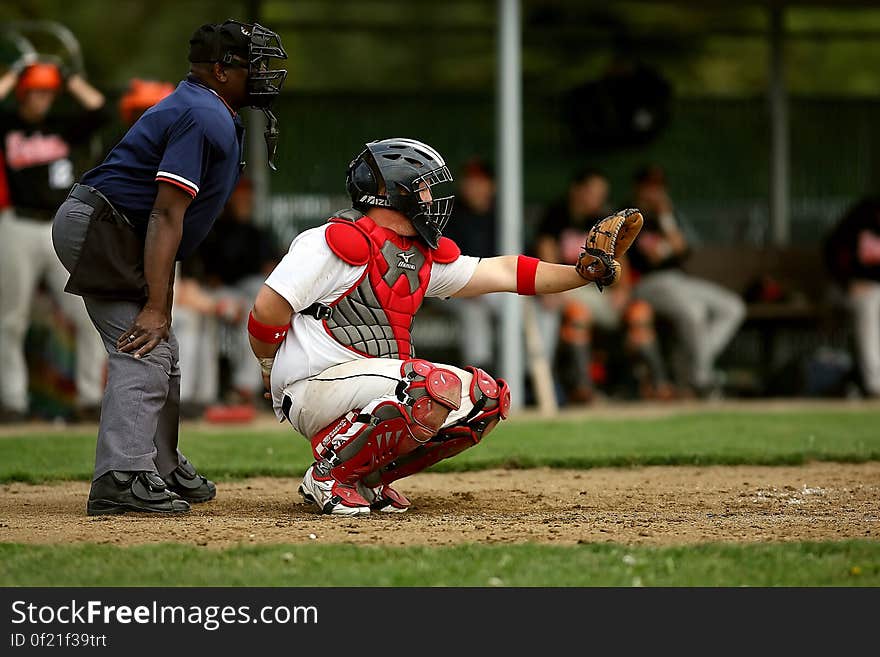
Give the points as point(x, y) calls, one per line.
point(400, 174)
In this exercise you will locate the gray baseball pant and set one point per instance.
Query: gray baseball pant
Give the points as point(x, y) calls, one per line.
point(26, 256)
point(140, 410)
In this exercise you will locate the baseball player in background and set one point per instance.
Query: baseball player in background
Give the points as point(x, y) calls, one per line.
point(37, 153)
point(331, 328)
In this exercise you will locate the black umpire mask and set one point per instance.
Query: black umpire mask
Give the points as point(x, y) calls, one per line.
point(251, 46)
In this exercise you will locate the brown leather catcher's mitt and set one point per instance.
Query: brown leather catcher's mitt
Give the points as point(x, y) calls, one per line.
point(608, 240)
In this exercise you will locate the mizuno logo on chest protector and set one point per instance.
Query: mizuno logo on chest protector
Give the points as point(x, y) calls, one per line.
point(408, 260)
point(404, 262)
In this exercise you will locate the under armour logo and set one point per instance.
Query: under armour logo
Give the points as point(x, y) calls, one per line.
point(278, 335)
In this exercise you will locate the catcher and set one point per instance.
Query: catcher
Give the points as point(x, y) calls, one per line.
point(331, 328)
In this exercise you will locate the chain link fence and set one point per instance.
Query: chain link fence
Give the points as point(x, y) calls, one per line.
point(715, 151)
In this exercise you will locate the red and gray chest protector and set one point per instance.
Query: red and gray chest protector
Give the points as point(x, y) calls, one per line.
point(374, 318)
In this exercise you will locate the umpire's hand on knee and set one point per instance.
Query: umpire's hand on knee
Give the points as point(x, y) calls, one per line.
point(150, 327)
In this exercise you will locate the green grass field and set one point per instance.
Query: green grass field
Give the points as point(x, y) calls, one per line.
point(693, 439)
point(761, 438)
point(849, 563)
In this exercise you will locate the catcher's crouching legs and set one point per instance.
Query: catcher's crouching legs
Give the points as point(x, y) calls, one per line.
point(491, 400)
point(366, 440)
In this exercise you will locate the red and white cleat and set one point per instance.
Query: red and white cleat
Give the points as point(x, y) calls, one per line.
point(384, 498)
point(332, 496)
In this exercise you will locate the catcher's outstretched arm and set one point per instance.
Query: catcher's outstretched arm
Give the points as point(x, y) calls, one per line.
point(507, 274)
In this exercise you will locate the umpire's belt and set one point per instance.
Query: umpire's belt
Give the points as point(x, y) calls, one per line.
point(91, 196)
point(319, 311)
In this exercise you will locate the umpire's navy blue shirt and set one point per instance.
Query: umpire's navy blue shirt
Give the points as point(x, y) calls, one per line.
point(191, 139)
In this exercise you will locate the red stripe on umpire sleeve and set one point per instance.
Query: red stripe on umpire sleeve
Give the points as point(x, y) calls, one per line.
point(186, 188)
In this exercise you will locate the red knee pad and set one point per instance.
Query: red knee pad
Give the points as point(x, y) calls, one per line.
point(433, 392)
point(491, 400)
point(496, 393)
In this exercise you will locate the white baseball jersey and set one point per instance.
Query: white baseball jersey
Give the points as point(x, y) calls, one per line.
point(311, 273)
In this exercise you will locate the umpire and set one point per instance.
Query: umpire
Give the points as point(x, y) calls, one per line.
point(151, 202)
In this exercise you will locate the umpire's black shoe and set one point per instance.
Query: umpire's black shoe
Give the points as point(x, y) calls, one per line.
point(189, 484)
point(118, 492)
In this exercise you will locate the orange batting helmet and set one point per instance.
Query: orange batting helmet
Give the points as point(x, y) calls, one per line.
point(141, 96)
point(42, 75)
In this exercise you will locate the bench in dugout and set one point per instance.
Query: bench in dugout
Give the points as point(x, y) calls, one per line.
point(797, 337)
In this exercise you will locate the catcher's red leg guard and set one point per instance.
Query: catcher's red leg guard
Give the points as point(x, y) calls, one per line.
point(446, 444)
point(491, 399)
point(432, 392)
point(351, 447)
point(363, 441)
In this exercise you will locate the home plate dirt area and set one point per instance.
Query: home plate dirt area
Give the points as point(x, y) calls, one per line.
point(661, 505)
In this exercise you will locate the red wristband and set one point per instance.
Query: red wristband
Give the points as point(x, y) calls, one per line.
point(526, 270)
point(266, 333)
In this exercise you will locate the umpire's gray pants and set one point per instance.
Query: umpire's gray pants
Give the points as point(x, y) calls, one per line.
point(140, 411)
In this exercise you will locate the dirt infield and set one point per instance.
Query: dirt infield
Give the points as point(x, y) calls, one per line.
point(651, 506)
